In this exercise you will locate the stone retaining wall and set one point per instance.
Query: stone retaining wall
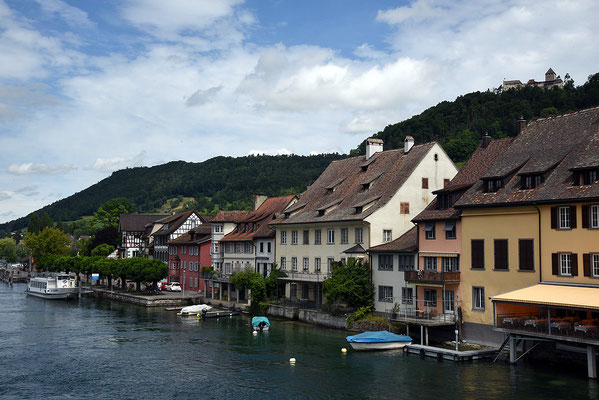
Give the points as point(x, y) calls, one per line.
point(145, 301)
point(315, 317)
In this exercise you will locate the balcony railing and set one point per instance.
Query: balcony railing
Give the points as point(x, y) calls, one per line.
point(431, 277)
point(305, 276)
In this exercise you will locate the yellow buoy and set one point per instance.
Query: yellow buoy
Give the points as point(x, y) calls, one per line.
point(292, 360)
point(343, 350)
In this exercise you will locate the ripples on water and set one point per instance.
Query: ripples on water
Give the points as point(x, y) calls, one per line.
point(107, 350)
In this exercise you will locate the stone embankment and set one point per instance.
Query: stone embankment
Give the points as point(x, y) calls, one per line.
point(163, 299)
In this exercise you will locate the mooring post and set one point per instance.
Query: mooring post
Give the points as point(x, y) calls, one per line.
point(426, 334)
point(422, 335)
point(512, 350)
point(591, 362)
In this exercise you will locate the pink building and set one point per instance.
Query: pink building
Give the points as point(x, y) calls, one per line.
point(187, 255)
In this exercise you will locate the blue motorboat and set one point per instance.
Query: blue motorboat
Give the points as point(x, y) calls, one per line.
point(378, 340)
point(260, 324)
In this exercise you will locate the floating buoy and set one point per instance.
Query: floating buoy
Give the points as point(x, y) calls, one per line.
point(254, 333)
point(343, 350)
point(292, 360)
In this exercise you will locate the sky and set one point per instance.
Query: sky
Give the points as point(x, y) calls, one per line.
point(90, 87)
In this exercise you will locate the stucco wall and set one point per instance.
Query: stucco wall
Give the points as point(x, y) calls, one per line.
point(394, 279)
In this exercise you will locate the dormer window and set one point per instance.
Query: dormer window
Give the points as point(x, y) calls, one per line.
point(321, 213)
point(443, 202)
point(359, 209)
point(365, 186)
point(531, 181)
point(586, 176)
point(493, 185)
point(287, 215)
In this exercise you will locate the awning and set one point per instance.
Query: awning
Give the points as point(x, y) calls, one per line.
point(429, 226)
point(553, 295)
point(449, 226)
point(427, 284)
point(435, 254)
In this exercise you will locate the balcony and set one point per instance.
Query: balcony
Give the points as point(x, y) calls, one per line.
point(420, 276)
point(305, 276)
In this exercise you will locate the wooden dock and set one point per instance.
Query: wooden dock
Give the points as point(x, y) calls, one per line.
point(451, 355)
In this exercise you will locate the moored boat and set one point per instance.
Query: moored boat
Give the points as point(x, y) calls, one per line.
point(54, 287)
point(194, 310)
point(378, 340)
point(260, 324)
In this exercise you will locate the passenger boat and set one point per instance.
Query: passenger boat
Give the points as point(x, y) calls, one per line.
point(260, 324)
point(378, 340)
point(54, 287)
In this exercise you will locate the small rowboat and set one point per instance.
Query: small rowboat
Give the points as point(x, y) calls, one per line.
point(378, 340)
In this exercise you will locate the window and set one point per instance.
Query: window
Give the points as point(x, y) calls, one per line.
point(450, 232)
point(183, 249)
point(238, 247)
point(293, 291)
point(269, 247)
point(248, 248)
point(331, 236)
point(530, 181)
point(344, 236)
point(387, 235)
point(425, 183)
point(261, 247)
point(317, 236)
point(450, 264)
point(443, 201)
point(330, 264)
point(306, 237)
point(404, 208)
point(215, 248)
point(501, 254)
point(478, 253)
point(283, 237)
point(283, 263)
point(430, 264)
point(429, 231)
point(445, 182)
point(564, 218)
point(594, 214)
point(385, 262)
point(565, 264)
point(342, 260)
point(294, 263)
point(293, 237)
point(305, 291)
point(407, 296)
point(430, 298)
point(317, 264)
point(386, 294)
point(493, 185)
point(478, 298)
point(405, 262)
point(594, 261)
point(359, 235)
point(306, 264)
point(448, 301)
point(526, 254)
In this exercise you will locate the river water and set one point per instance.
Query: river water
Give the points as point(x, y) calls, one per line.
point(108, 350)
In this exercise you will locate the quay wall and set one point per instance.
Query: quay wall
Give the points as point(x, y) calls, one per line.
point(143, 300)
point(309, 316)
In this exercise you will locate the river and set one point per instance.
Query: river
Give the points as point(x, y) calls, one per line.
point(107, 350)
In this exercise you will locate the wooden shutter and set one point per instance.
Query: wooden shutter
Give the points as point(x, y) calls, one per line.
point(585, 216)
point(574, 259)
point(553, 217)
point(501, 254)
point(554, 264)
point(478, 253)
point(573, 217)
point(586, 264)
point(526, 254)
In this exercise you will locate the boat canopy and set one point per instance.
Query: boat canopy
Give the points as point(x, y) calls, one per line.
point(378, 337)
point(256, 321)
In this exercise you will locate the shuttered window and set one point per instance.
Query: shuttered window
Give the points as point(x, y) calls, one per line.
point(501, 254)
point(526, 254)
point(478, 253)
point(564, 264)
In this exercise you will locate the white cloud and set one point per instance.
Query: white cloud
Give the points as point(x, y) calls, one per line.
point(203, 96)
point(115, 163)
point(28, 191)
point(71, 15)
point(38, 169)
point(419, 11)
point(4, 196)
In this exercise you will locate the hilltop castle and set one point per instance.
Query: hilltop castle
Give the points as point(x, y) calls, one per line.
point(551, 80)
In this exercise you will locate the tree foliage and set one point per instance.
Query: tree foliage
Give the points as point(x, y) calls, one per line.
point(8, 250)
point(38, 222)
point(108, 213)
point(350, 283)
point(102, 250)
point(48, 241)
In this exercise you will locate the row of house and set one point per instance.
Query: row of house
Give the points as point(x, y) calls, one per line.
point(509, 245)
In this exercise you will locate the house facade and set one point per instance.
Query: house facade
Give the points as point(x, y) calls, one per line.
point(356, 203)
point(132, 229)
point(170, 228)
point(188, 254)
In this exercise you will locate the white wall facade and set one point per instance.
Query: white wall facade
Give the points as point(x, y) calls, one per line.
point(393, 278)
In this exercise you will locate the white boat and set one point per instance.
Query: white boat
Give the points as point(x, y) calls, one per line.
point(194, 310)
point(379, 340)
point(54, 287)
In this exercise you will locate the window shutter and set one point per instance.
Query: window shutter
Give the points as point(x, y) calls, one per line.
point(586, 264)
point(573, 217)
point(585, 216)
point(553, 217)
point(554, 264)
point(574, 264)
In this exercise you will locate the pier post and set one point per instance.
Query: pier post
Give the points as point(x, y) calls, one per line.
point(512, 350)
point(426, 335)
point(407, 329)
point(422, 335)
point(591, 362)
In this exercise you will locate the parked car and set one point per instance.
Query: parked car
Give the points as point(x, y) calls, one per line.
point(175, 287)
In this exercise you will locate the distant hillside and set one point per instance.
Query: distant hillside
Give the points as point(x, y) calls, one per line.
point(224, 182)
point(459, 125)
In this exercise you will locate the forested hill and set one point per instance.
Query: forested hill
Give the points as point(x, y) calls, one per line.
point(459, 125)
point(224, 182)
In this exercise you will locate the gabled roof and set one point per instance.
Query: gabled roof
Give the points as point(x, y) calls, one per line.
point(176, 220)
point(551, 146)
point(199, 234)
point(475, 167)
point(230, 216)
point(137, 222)
point(259, 220)
point(406, 243)
point(345, 183)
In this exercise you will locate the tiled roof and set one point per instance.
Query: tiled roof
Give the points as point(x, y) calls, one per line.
point(408, 243)
point(197, 235)
point(470, 173)
point(176, 220)
point(551, 146)
point(259, 220)
point(230, 216)
point(347, 183)
point(137, 222)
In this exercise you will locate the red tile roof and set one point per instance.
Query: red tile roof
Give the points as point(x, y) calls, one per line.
point(406, 243)
point(197, 235)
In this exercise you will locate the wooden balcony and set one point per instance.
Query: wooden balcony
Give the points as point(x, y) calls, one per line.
point(420, 276)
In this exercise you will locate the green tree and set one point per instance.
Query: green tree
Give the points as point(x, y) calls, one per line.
point(8, 249)
point(102, 250)
point(48, 241)
point(38, 223)
point(253, 281)
point(350, 283)
point(462, 146)
point(108, 214)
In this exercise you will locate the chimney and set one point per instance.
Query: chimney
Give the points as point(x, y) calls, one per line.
point(258, 200)
point(521, 124)
point(486, 140)
point(373, 145)
point(408, 143)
